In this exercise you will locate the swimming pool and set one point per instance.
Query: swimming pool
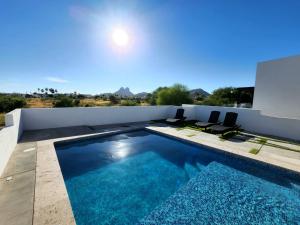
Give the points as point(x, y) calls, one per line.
point(143, 177)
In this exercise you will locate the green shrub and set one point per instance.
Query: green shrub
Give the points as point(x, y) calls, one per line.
point(254, 151)
point(222, 96)
point(64, 102)
point(9, 103)
point(262, 141)
point(76, 102)
point(2, 119)
point(128, 103)
point(175, 95)
point(138, 101)
point(152, 98)
point(113, 99)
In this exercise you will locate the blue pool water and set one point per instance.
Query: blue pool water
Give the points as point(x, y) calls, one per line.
point(142, 177)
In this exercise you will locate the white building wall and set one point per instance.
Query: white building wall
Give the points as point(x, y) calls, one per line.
point(277, 88)
point(249, 119)
point(43, 118)
point(9, 136)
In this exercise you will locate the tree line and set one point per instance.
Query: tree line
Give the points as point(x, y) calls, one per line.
point(177, 94)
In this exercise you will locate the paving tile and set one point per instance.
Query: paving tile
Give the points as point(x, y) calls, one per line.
point(16, 199)
point(52, 204)
point(280, 152)
point(21, 161)
point(285, 144)
point(54, 214)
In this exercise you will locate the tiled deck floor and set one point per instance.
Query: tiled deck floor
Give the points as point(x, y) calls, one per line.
point(17, 183)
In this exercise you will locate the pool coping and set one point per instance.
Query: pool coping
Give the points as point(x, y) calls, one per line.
point(52, 204)
point(279, 165)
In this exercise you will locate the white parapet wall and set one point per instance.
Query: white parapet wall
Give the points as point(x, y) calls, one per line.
point(9, 136)
point(249, 119)
point(277, 88)
point(254, 121)
point(43, 118)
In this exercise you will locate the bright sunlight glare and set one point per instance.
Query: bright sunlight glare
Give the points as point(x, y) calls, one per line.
point(120, 37)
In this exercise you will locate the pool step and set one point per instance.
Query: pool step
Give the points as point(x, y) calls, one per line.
point(191, 170)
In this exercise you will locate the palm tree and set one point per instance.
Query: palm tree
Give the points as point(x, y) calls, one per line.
point(51, 90)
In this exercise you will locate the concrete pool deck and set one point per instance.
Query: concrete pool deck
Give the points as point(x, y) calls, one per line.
point(33, 189)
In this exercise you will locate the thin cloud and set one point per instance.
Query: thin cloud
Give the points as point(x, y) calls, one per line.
point(56, 80)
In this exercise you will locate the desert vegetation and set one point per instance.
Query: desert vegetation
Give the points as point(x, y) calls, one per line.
point(228, 96)
point(9, 103)
point(2, 120)
point(177, 94)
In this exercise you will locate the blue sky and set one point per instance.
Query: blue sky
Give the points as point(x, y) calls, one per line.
point(208, 44)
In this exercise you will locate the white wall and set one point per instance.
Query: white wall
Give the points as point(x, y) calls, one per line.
point(9, 136)
point(249, 119)
point(39, 118)
point(277, 88)
point(254, 121)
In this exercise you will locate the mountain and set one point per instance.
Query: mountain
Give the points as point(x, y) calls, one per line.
point(199, 91)
point(141, 95)
point(124, 92)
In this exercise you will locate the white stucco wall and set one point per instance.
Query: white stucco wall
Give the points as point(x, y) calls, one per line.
point(277, 88)
point(39, 118)
point(34, 119)
point(249, 119)
point(9, 136)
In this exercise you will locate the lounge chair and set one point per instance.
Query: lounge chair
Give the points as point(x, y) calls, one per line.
point(213, 120)
point(178, 117)
point(229, 124)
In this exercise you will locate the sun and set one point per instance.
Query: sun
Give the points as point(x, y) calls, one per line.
point(120, 37)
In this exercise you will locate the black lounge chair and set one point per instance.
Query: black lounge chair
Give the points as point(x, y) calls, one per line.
point(213, 119)
point(178, 117)
point(229, 124)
